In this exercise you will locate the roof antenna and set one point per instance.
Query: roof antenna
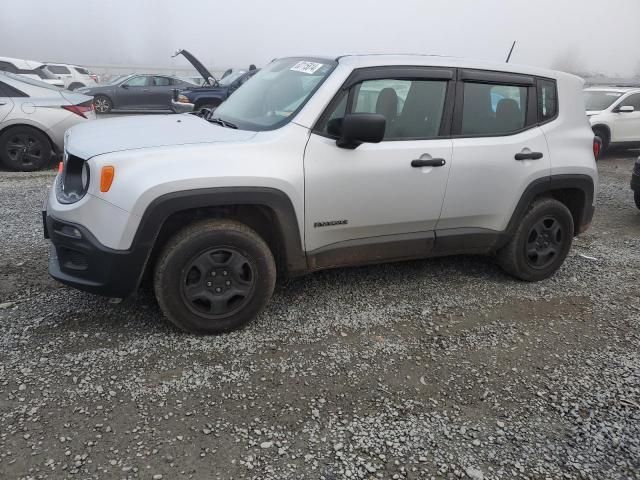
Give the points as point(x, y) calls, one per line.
point(511, 51)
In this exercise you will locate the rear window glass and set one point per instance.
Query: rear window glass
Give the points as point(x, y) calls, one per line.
point(31, 81)
point(82, 71)
point(9, 91)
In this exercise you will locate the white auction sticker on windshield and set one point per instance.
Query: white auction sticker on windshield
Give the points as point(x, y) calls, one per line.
point(306, 67)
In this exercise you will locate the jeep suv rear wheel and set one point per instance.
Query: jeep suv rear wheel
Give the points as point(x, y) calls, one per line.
point(541, 242)
point(214, 276)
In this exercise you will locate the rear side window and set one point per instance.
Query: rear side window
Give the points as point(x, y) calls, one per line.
point(162, 81)
point(9, 91)
point(493, 109)
point(547, 100)
point(58, 69)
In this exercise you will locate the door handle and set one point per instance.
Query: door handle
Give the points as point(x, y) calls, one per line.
point(428, 162)
point(3, 103)
point(529, 156)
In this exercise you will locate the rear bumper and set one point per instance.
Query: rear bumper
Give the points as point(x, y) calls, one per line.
point(77, 259)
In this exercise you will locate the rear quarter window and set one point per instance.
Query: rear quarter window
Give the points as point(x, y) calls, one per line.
point(9, 91)
point(547, 100)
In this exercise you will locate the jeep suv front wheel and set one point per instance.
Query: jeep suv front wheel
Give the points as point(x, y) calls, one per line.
point(214, 276)
point(540, 243)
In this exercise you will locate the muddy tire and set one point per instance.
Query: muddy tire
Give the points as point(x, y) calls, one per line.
point(214, 276)
point(540, 243)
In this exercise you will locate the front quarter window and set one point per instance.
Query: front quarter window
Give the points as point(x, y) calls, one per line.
point(275, 94)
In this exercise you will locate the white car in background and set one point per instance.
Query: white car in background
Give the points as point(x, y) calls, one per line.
point(73, 76)
point(29, 69)
point(614, 114)
point(34, 117)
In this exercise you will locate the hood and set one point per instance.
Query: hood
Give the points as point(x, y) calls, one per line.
point(89, 139)
point(202, 70)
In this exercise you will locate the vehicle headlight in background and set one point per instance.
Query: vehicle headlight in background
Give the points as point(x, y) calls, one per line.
point(183, 99)
point(73, 180)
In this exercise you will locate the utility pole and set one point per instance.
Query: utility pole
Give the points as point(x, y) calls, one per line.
point(511, 51)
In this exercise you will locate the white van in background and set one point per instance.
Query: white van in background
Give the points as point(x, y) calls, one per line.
point(29, 68)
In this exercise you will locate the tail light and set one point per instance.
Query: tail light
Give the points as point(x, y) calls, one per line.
point(80, 109)
point(597, 146)
point(94, 77)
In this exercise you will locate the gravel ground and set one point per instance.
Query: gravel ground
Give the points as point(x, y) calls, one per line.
point(445, 368)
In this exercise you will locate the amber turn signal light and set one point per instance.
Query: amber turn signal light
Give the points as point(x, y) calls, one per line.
point(106, 178)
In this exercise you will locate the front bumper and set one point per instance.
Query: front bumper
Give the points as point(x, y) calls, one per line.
point(77, 259)
point(179, 107)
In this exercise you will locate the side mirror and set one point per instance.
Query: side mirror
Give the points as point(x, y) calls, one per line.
point(124, 85)
point(358, 128)
point(626, 109)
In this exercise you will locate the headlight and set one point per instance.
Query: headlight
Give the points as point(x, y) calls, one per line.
point(72, 182)
point(183, 99)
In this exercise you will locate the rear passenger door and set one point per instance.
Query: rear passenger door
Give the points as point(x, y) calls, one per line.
point(498, 150)
point(161, 91)
point(380, 201)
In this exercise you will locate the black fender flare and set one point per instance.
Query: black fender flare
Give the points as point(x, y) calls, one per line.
point(547, 185)
point(160, 209)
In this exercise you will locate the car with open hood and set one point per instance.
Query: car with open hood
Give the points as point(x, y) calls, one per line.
point(212, 92)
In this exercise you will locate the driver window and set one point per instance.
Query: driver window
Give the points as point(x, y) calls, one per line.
point(413, 109)
point(137, 82)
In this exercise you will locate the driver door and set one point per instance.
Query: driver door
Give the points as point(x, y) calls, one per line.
point(134, 93)
point(371, 204)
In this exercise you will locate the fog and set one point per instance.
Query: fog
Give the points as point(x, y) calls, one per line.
point(576, 35)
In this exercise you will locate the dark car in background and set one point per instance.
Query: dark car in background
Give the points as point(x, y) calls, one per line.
point(213, 92)
point(135, 92)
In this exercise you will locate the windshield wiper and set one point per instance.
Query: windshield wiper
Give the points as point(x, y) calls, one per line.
point(224, 123)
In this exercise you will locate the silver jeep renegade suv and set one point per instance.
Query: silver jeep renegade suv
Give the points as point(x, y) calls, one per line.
point(324, 162)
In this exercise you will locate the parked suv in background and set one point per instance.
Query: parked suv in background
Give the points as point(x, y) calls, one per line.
point(300, 170)
point(73, 76)
point(614, 113)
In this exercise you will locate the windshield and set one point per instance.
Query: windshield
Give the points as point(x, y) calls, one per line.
point(597, 100)
point(114, 80)
point(275, 94)
point(232, 77)
point(31, 81)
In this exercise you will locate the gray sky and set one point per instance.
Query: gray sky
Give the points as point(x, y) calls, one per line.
point(551, 33)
